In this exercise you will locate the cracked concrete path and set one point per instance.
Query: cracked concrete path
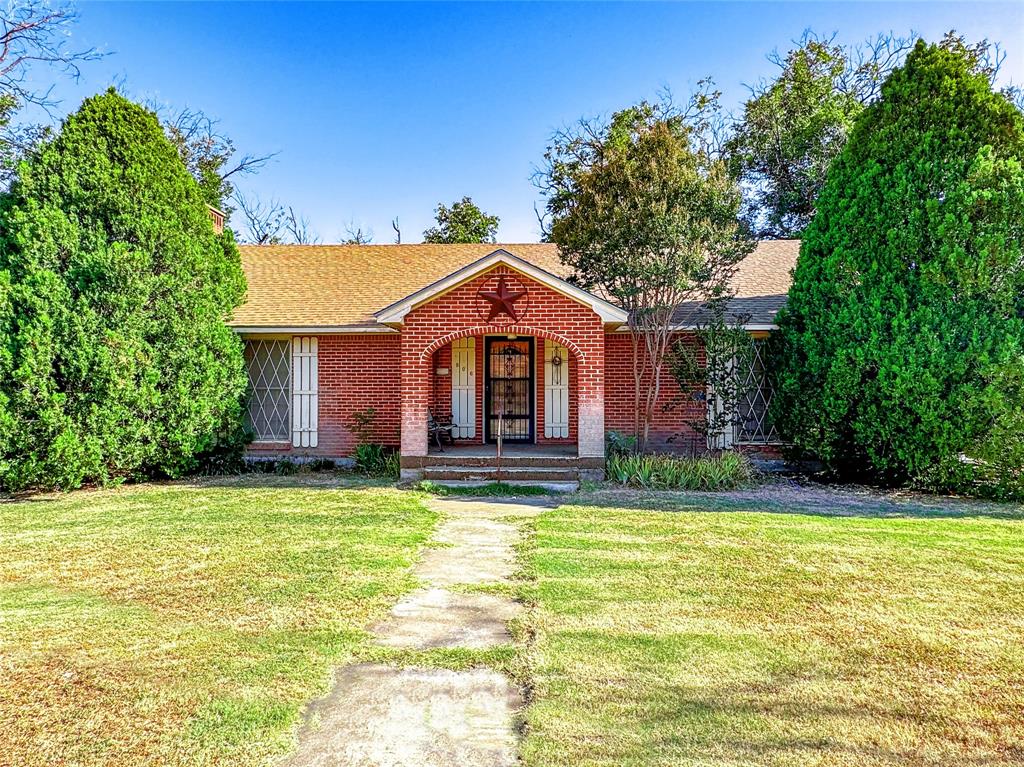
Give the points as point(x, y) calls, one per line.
point(382, 716)
point(440, 618)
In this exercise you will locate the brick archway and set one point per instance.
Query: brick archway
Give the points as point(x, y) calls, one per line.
point(521, 330)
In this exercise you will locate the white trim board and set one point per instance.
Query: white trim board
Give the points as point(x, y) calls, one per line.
point(312, 330)
point(752, 326)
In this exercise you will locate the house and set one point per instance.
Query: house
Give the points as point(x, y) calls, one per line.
point(492, 337)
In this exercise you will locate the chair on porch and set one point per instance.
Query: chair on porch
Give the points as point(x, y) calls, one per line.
point(440, 430)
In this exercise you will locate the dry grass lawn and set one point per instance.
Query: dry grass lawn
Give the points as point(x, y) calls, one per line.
point(778, 636)
point(180, 625)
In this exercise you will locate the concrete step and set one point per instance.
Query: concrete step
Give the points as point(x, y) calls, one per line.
point(505, 473)
point(551, 461)
point(550, 486)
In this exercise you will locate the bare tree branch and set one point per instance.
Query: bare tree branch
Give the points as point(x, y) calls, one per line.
point(32, 32)
point(355, 235)
point(299, 228)
point(263, 221)
point(207, 152)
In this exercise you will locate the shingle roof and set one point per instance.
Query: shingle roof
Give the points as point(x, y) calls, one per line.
point(338, 286)
point(761, 284)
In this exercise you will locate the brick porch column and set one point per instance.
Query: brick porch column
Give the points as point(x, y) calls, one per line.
point(590, 395)
point(415, 377)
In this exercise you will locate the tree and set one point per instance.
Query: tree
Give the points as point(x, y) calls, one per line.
point(114, 289)
point(33, 35)
point(641, 210)
point(902, 342)
point(356, 235)
point(793, 127)
point(271, 223)
point(209, 155)
point(462, 222)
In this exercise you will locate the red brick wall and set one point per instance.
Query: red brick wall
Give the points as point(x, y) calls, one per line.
point(441, 398)
point(361, 371)
point(669, 432)
point(355, 372)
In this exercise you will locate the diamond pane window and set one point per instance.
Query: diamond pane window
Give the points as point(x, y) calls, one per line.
point(269, 366)
point(755, 427)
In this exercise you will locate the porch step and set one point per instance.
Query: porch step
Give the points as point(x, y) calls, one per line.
point(551, 486)
point(491, 473)
point(508, 461)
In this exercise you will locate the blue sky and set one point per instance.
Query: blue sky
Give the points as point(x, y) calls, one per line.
point(383, 110)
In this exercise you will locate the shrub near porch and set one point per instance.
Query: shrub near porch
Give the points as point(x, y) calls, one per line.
point(187, 625)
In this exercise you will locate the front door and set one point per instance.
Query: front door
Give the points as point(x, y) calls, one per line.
point(509, 390)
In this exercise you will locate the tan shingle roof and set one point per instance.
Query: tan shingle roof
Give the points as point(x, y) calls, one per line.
point(343, 285)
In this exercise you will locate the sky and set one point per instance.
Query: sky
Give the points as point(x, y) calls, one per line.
point(379, 111)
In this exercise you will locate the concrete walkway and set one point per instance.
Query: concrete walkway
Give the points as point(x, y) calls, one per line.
point(383, 716)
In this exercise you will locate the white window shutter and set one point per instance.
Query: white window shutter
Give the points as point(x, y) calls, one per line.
point(556, 390)
point(305, 391)
point(464, 387)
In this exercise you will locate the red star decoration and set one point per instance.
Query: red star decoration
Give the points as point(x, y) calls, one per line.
point(502, 300)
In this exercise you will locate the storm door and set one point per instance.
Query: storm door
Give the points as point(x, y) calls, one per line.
point(510, 389)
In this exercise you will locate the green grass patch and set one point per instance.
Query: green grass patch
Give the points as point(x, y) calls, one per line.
point(492, 489)
point(751, 638)
point(181, 625)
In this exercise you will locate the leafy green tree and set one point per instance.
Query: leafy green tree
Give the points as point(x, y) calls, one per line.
point(462, 222)
point(791, 131)
point(643, 211)
point(795, 125)
point(902, 343)
point(115, 359)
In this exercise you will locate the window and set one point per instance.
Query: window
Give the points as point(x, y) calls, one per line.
point(754, 427)
point(268, 364)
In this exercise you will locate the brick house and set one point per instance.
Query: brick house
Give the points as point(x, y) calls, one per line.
point(491, 338)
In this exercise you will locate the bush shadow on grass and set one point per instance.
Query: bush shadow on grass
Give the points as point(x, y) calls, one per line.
point(781, 496)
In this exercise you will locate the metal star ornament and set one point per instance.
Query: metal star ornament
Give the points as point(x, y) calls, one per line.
point(502, 300)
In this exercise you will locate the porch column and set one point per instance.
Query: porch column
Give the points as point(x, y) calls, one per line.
point(415, 390)
point(590, 394)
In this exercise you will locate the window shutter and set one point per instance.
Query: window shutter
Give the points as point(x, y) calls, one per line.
point(305, 391)
point(556, 390)
point(464, 387)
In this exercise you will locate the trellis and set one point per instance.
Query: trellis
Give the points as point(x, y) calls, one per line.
point(754, 427)
point(269, 366)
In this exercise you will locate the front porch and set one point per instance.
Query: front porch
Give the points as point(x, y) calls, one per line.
point(501, 350)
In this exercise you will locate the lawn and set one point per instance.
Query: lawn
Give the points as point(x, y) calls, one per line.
point(754, 635)
point(187, 625)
